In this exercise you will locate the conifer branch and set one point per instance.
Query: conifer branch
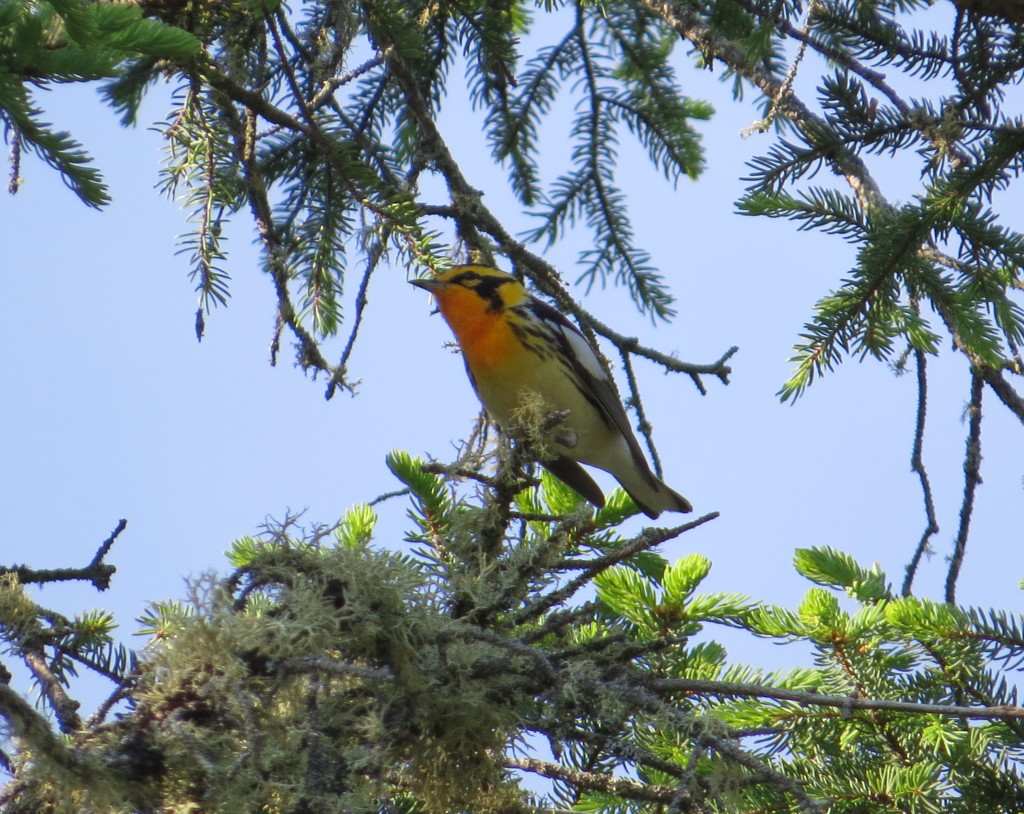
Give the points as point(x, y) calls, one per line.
point(588, 569)
point(803, 35)
point(645, 698)
point(847, 704)
point(1009, 10)
point(309, 353)
point(690, 26)
point(65, 708)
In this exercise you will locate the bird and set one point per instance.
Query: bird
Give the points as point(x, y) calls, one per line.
point(514, 345)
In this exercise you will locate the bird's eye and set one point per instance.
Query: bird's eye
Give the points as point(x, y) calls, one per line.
point(469, 278)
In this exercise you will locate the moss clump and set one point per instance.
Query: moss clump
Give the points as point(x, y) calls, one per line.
point(320, 680)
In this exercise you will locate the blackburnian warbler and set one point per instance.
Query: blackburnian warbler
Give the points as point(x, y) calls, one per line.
point(515, 345)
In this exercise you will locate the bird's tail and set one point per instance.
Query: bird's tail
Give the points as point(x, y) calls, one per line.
point(657, 497)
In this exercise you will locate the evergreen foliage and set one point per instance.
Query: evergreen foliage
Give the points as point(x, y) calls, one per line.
point(324, 674)
point(71, 41)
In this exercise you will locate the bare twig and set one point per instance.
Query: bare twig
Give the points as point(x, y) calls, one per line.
point(14, 160)
point(548, 280)
point(636, 403)
point(785, 89)
point(836, 55)
point(917, 465)
point(336, 667)
point(357, 321)
point(103, 710)
point(972, 477)
point(96, 572)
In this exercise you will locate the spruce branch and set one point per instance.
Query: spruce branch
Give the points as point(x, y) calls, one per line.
point(64, 707)
point(847, 704)
point(309, 353)
point(838, 56)
point(644, 541)
point(645, 698)
point(1008, 10)
point(689, 25)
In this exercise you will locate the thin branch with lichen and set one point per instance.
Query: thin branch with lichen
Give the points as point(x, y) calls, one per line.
point(917, 466)
point(847, 704)
point(97, 571)
point(972, 477)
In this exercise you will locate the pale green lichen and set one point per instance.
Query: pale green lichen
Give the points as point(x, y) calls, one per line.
point(350, 683)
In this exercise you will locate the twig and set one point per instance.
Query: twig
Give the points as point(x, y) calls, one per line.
point(557, 621)
point(332, 83)
point(547, 279)
point(839, 57)
point(723, 744)
point(917, 465)
point(104, 549)
point(1003, 390)
point(644, 541)
point(65, 707)
point(592, 781)
point(457, 471)
point(357, 321)
point(118, 695)
point(96, 571)
point(634, 401)
point(785, 89)
point(972, 477)
point(843, 702)
point(300, 666)
point(14, 160)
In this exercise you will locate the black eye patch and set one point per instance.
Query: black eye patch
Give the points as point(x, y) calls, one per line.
point(485, 286)
point(467, 277)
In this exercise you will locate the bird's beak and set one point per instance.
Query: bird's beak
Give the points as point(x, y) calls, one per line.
point(428, 284)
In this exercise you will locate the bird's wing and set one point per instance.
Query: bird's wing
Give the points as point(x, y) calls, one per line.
point(592, 378)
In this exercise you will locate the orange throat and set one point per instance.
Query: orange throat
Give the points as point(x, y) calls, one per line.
point(484, 336)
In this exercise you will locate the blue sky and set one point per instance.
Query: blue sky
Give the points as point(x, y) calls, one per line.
point(112, 409)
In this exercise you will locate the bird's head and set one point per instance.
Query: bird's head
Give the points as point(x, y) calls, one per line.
point(474, 289)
